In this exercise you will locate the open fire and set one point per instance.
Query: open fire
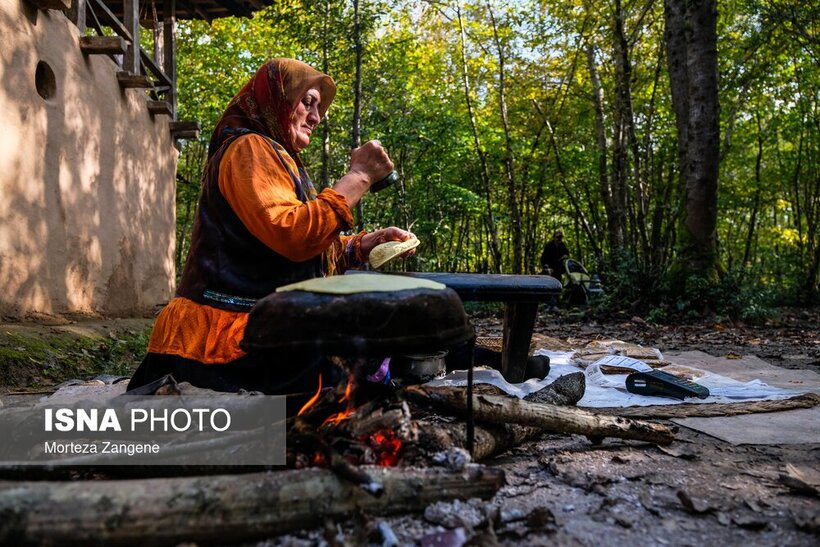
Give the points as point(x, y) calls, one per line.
point(380, 446)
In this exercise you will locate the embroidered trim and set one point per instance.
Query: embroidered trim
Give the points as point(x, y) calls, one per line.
point(355, 248)
point(238, 301)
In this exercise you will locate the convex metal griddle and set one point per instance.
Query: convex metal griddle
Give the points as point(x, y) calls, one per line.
point(359, 316)
point(389, 315)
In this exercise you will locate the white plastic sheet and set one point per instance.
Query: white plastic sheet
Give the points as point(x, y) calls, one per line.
point(613, 393)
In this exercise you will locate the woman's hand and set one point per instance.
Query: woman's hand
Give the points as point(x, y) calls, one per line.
point(369, 241)
point(368, 164)
point(372, 161)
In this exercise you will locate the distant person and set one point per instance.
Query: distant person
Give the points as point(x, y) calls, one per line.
point(554, 255)
point(552, 262)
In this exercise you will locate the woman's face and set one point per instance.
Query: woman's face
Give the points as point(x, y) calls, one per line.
point(305, 118)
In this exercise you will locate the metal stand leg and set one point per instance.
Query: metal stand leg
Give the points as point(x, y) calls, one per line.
point(470, 421)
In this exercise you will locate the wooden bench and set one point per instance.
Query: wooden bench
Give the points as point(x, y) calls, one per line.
point(521, 295)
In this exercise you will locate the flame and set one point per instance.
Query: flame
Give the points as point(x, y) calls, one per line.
point(312, 400)
point(386, 447)
point(348, 390)
point(339, 417)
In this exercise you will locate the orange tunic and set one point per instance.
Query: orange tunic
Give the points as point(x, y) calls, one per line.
point(259, 189)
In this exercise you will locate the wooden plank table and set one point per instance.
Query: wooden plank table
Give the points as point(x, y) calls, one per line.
point(521, 295)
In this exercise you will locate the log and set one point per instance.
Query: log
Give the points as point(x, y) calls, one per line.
point(708, 410)
point(490, 439)
point(218, 509)
point(560, 419)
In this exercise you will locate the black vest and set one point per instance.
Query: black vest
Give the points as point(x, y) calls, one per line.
point(227, 267)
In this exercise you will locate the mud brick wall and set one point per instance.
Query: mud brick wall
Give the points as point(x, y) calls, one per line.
point(87, 178)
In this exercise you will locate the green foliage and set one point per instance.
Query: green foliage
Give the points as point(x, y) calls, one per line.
point(733, 297)
point(657, 315)
point(629, 282)
point(415, 101)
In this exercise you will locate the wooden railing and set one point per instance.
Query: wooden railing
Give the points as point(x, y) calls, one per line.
point(138, 69)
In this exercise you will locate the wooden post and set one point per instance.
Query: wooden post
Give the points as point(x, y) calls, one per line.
point(131, 20)
point(519, 320)
point(160, 107)
point(184, 130)
point(103, 45)
point(128, 80)
point(76, 14)
point(169, 57)
point(61, 5)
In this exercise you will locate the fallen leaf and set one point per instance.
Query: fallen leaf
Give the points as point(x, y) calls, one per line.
point(750, 522)
point(800, 480)
point(678, 453)
point(696, 506)
point(753, 506)
point(733, 356)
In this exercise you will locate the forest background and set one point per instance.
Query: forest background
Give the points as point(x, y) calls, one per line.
point(675, 142)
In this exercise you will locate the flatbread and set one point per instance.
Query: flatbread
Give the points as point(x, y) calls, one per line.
point(386, 252)
point(359, 283)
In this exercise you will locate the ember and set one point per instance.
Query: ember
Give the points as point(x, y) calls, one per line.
point(385, 446)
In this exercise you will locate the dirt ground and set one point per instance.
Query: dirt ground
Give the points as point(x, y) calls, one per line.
point(565, 490)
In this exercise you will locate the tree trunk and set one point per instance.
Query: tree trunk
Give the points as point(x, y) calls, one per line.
point(691, 42)
point(482, 158)
point(747, 252)
point(603, 148)
point(620, 144)
point(512, 197)
point(355, 135)
point(570, 194)
point(324, 178)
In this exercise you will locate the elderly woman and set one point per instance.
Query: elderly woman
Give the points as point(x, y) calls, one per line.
point(260, 224)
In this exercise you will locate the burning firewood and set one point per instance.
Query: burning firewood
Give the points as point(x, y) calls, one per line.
point(561, 419)
point(218, 509)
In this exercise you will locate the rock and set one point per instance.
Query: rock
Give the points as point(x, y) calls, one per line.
point(807, 522)
point(388, 537)
point(456, 514)
point(565, 391)
point(448, 538)
point(454, 459)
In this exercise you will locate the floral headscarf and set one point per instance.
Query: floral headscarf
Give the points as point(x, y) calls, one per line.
point(268, 101)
